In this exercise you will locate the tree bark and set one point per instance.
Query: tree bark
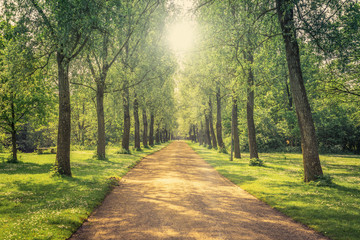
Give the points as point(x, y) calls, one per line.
point(211, 123)
point(157, 136)
point(250, 111)
point(218, 121)
point(288, 95)
point(13, 133)
point(201, 135)
point(151, 132)
point(235, 131)
point(207, 131)
point(194, 131)
point(127, 124)
point(145, 131)
point(137, 124)
point(64, 127)
point(309, 144)
point(101, 142)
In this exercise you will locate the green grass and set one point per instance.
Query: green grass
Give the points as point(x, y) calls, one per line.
point(34, 205)
point(333, 210)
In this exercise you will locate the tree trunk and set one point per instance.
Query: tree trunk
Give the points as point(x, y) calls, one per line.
point(126, 132)
point(137, 124)
point(194, 131)
point(151, 132)
point(309, 144)
point(207, 131)
point(211, 123)
point(157, 136)
point(64, 127)
point(145, 131)
point(201, 135)
point(288, 95)
point(13, 141)
point(235, 131)
point(13, 133)
point(218, 121)
point(101, 142)
point(250, 111)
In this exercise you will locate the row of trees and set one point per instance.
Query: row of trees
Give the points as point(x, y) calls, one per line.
point(242, 64)
point(102, 57)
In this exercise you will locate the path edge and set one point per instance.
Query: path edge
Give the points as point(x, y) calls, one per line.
point(115, 182)
point(263, 202)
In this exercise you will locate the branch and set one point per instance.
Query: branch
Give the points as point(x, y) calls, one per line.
point(43, 16)
point(79, 49)
point(84, 85)
point(137, 83)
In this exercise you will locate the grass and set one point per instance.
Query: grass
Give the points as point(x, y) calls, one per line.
point(332, 209)
point(34, 205)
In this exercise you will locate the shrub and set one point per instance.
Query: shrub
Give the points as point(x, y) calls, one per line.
point(256, 162)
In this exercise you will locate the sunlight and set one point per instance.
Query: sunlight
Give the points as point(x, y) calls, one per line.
point(181, 36)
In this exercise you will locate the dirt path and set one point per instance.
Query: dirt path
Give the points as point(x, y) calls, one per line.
point(174, 194)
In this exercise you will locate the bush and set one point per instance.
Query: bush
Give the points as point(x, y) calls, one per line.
point(256, 162)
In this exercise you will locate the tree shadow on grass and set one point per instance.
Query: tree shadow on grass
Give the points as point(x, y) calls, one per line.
point(24, 168)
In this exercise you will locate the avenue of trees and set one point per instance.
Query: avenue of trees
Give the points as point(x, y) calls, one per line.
point(78, 74)
point(274, 76)
point(264, 75)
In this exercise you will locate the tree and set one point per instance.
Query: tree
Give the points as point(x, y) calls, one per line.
point(24, 94)
point(309, 144)
point(65, 27)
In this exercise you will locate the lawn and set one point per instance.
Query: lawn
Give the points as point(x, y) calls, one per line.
point(36, 205)
point(332, 209)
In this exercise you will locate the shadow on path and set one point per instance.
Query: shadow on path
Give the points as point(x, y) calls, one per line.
point(174, 194)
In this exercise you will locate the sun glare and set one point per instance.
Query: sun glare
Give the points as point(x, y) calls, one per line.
point(181, 36)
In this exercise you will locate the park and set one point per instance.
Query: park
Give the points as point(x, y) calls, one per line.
point(179, 119)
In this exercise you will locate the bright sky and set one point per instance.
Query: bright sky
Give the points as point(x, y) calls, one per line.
point(181, 34)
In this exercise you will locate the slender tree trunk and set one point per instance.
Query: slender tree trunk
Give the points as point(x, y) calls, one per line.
point(194, 131)
point(309, 144)
point(151, 132)
point(201, 135)
point(101, 120)
point(13, 141)
point(83, 126)
point(126, 132)
point(218, 121)
point(157, 136)
point(137, 124)
point(13, 133)
point(250, 112)
point(64, 127)
point(145, 131)
point(207, 131)
point(288, 95)
point(211, 123)
point(235, 131)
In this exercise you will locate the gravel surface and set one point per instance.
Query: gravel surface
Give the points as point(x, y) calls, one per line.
point(175, 194)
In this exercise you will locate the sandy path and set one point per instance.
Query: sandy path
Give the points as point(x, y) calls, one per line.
point(174, 194)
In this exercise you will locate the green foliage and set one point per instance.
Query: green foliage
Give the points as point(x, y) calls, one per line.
point(327, 205)
point(256, 162)
point(323, 181)
point(124, 151)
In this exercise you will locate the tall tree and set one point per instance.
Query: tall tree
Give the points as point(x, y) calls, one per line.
point(136, 125)
point(65, 28)
point(309, 144)
point(218, 121)
point(211, 124)
point(24, 94)
point(145, 128)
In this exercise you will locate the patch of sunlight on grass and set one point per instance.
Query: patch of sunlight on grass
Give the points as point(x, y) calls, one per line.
point(34, 205)
point(332, 210)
